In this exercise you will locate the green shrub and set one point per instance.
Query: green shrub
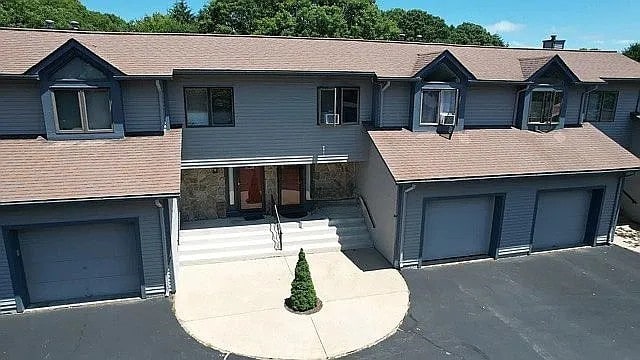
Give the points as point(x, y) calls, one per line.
point(303, 294)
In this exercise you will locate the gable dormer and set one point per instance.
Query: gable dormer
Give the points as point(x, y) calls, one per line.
point(80, 96)
point(542, 103)
point(439, 92)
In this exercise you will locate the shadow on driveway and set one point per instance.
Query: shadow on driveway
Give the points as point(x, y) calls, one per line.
point(142, 329)
point(574, 304)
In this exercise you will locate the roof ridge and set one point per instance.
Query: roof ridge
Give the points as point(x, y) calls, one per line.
point(257, 36)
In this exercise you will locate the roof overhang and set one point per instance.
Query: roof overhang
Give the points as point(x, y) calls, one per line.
point(556, 60)
point(524, 175)
point(65, 52)
point(270, 72)
point(446, 57)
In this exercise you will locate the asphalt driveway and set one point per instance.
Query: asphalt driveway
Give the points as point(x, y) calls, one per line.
point(573, 304)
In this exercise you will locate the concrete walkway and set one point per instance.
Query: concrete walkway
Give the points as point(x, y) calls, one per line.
point(238, 307)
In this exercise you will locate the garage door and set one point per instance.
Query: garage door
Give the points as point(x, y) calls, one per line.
point(80, 262)
point(561, 219)
point(457, 227)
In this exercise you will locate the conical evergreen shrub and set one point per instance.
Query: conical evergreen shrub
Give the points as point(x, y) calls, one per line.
point(303, 294)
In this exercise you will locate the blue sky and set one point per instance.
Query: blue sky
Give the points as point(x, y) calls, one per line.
point(604, 24)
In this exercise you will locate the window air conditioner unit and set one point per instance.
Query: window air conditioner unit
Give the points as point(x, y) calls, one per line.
point(332, 119)
point(447, 119)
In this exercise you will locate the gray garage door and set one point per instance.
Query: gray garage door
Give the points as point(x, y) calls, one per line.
point(561, 219)
point(80, 262)
point(457, 227)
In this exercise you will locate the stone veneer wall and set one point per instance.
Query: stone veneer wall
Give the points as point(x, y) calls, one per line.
point(271, 187)
point(203, 194)
point(333, 181)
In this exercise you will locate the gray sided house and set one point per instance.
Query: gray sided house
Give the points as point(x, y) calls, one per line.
point(114, 146)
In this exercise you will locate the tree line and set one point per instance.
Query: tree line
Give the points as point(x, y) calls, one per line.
point(318, 18)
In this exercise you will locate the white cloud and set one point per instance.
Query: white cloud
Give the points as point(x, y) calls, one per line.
point(623, 42)
point(504, 26)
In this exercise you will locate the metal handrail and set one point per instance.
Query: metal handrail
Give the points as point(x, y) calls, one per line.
point(633, 201)
point(365, 206)
point(278, 243)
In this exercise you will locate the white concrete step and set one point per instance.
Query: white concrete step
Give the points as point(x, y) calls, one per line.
point(347, 230)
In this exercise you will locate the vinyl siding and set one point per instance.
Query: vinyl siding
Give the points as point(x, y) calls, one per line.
point(620, 128)
point(274, 117)
point(490, 105)
point(21, 108)
point(380, 192)
point(519, 205)
point(396, 106)
point(573, 99)
point(143, 209)
point(141, 107)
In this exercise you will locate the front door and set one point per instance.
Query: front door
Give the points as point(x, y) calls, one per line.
point(291, 187)
point(251, 188)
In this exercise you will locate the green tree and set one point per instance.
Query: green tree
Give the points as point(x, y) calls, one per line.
point(419, 22)
point(633, 51)
point(158, 22)
point(181, 12)
point(473, 34)
point(303, 294)
point(33, 13)
point(229, 17)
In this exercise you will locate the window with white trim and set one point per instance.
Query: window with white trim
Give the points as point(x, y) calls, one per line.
point(439, 107)
point(82, 110)
point(545, 106)
point(338, 106)
point(601, 106)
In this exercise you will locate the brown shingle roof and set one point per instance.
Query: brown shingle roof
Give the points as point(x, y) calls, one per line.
point(40, 170)
point(412, 156)
point(161, 54)
point(531, 65)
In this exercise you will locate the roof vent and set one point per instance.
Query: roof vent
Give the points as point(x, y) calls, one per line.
point(48, 24)
point(74, 25)
point(553, 43)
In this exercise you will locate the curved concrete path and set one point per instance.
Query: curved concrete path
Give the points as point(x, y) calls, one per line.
point(238, 307)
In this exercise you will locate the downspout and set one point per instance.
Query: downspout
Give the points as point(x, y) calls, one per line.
point(583, 100)
point(163, 236)
point(403, 213)
point(515, 105)
point(382, 89)
point(162, 104)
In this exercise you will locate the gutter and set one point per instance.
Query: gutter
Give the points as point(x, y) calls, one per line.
point(269, 72)
point(585, 172)
point(45, 201)
point(402, 221)
point(163, 237)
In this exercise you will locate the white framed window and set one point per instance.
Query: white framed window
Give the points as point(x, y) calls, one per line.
point(601, 106)
point(545, 106)
point(82, 110)
point(439, 107)
point(338, 106)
